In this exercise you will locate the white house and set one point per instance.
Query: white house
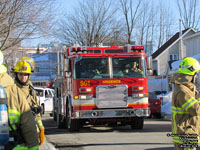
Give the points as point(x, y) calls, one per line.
point(172, 51)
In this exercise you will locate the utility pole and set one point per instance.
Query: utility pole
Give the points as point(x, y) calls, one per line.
point(181, 41)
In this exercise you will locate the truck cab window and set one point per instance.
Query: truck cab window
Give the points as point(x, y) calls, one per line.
point(89, 69)
point(131, 67)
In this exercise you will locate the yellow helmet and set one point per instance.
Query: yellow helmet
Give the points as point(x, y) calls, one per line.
point(22, 67)
point(189, 66)
point(30, 61)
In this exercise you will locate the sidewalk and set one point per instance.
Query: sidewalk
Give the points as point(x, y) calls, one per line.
point(47, 146)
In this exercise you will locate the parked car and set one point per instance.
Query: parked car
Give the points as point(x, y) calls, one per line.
point(45, 97)
point(166, 108)
point(155, 105)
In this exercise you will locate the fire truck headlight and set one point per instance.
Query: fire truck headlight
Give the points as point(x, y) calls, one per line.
point(136, 95)
point(85, 97)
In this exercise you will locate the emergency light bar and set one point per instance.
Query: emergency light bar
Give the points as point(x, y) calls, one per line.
point(79, 49)
point(75, 50)
point(137, 47)
point(111, 49)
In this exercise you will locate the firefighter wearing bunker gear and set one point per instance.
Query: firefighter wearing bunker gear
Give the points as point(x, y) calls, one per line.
point(185, 106)
point(23, 70)
point(20, 116)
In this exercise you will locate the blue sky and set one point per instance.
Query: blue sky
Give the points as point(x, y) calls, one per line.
point(67, 7)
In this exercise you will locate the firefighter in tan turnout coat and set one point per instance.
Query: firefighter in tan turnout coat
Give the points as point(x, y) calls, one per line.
point(186, 105)
point(23, 69)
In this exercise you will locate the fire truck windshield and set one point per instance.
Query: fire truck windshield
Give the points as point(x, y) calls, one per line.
point(110, 67)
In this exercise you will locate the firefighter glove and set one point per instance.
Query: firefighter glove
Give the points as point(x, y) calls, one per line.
point(42, 136)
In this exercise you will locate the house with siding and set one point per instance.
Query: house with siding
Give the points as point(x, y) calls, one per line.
point(177, 47)
point(45, 69)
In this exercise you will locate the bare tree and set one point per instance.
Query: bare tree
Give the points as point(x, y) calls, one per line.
point(143, 23)
point(130, 11)
point(150, 36)
point(165, 21)
point(189, 13)
point(91, 24)
point(153, 24)
point(22, 19)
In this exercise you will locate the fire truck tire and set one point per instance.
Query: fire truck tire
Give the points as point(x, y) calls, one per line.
point(60, 123)
point(74, 125)
point(137, 123)
point(54, 116)
point(71, 124)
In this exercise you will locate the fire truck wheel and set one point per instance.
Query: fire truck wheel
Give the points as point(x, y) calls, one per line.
point(71, 124)
point(54, 116)
point(60, 122)
point(137, 123)
point(74, 125)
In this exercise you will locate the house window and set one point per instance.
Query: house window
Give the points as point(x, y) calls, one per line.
point(37, 69)
point(173, 57)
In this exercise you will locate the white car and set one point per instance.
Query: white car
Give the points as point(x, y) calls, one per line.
point(45, 97)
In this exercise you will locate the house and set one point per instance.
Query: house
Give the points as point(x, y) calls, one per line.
point(45, 69)
point(177, 47)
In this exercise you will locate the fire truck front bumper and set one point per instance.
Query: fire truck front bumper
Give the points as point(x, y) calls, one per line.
point(110, 113)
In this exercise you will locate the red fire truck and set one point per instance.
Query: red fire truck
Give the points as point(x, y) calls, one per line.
point(98, 85)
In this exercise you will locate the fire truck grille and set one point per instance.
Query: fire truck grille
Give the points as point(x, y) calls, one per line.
point(111, 96)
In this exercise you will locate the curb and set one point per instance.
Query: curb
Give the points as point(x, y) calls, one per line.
point(47, 146)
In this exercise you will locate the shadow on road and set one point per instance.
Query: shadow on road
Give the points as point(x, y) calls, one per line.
point(115, 144)
point(161, 148)
point(156, 126)
point(165, 148)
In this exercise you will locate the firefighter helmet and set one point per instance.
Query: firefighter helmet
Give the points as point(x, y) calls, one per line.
point(189, 66)
point(22, 67)
point(30, 61)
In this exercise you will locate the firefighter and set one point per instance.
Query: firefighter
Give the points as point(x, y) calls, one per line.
point(22, 125)
point(22, 71)
point(133, 68)
point(185, 105)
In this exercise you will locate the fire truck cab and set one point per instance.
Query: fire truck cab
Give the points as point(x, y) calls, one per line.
point(101, 85)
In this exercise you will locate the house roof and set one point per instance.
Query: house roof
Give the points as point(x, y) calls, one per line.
point(168, 43)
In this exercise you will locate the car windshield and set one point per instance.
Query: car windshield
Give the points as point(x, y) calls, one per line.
point(152, 95)
point(116, 67)
point(39, 92)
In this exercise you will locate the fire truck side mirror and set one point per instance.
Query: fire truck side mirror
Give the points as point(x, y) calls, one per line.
point(66, 65)
point(149, 66)
point(149, 72)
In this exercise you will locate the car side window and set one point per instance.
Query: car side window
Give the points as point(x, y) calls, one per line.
point(48, 94)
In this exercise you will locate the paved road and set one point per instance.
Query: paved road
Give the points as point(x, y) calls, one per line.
point(152, 137)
